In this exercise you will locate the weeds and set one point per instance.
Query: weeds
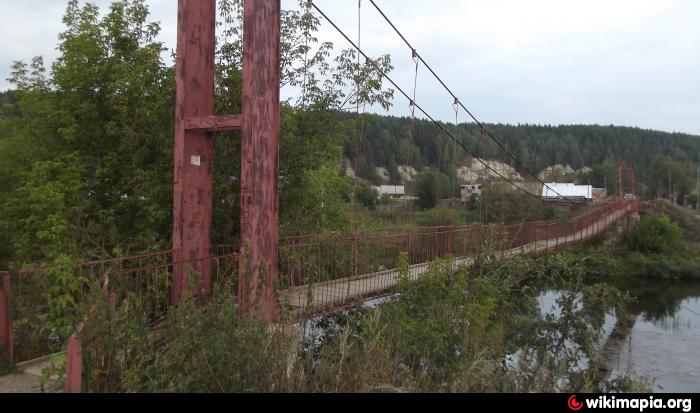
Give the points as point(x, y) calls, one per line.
point(6, 366)
point(454, 329)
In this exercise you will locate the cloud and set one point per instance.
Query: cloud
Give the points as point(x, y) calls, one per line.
point(625, 62)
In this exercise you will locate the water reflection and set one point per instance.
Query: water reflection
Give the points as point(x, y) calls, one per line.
point(663, 342)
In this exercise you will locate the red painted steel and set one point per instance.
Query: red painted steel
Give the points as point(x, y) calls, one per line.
point(324, 261)
point(193, 153)
point(213, 124)
point(6, 339)
point(309, 260)
point(74, 365)
point(627, 180)
point(259, 158)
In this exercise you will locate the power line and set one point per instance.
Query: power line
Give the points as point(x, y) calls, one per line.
point(413, 103)
point(458, 101)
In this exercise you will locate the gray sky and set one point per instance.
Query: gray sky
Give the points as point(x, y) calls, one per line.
point(622, 62)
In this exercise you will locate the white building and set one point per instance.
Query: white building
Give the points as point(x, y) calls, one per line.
point(393, 191)
point(469, 191)
point(557, 191)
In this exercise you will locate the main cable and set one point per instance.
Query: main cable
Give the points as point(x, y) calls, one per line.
point(479, 123)
point(426, 114)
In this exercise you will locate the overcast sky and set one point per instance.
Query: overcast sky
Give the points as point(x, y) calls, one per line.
point(621, 62)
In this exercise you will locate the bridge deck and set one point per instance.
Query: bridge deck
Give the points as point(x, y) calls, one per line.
point(312, 298)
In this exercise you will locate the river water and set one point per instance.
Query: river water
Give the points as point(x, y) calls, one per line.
point(663, 343)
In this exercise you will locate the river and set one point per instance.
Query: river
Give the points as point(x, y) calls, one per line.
point(662, 345)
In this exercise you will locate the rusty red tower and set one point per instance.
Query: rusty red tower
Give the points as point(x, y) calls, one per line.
point(195, 125)
point(627, 176)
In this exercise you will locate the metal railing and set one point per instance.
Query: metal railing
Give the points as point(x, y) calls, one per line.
point(317, 272)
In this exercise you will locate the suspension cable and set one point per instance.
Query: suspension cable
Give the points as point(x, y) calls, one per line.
point(426, 114)
point(439, 157)
point(306, 57)
point(455, 105)
point(413, 123)
point(357, 116)
point(479, 123)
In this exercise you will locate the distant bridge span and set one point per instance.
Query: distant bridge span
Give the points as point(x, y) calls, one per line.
point(525, 239)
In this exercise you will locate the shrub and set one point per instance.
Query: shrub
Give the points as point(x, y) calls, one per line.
point(655, 234)
point(366, 196)
point(451, 330)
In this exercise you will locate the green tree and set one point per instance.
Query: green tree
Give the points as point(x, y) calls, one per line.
point(100, 124)
point(89, 143)
point(672, 179)
point(431, 186)
point(655, 234)
point(366, 195)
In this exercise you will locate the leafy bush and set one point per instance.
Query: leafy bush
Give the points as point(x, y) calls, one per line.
point(655, 234)
point(366, 196)
point(195, 348)
point(451, 330)
point(6, 366)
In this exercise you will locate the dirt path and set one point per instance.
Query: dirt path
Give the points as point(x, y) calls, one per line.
point(20, 383)
point(26, 379)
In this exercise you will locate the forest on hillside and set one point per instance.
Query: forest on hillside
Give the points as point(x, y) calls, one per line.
point(86, 143)
point(389, 142)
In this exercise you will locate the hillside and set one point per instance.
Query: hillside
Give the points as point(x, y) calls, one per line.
point(590, 152)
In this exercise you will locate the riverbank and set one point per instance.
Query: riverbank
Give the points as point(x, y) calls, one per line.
point(660, 341)
point(652, 252)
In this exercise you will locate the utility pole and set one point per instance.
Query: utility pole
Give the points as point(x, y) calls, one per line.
point(621, 189)
point(670, 188)
point(697, 190)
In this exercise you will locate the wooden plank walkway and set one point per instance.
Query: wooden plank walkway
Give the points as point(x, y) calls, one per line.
point(323, 296)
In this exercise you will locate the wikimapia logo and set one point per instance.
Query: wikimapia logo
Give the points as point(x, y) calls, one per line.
point(605, 402)
point(574, 404)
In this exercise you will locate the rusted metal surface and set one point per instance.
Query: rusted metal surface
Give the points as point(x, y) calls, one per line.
point(74, 365)
point(193, 155)
point(116, 286)
point(318, 272)
point(147, 276)
point(6, 339)
point(213, 124)
point(259, 158)
point(627, 180)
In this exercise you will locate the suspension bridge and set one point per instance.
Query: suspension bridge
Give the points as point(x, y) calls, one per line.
point(274, 277)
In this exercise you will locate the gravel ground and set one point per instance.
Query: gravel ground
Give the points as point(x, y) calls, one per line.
point(20, 383)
